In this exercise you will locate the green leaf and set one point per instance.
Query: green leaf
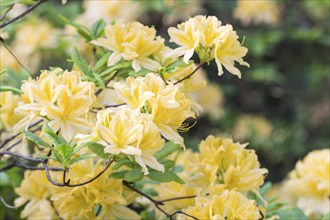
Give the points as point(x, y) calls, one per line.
point(98, 28)
point(168, 148)
point(99, 150)
point(52, 135)
point(178, 64)
point(11, 89)
point(123, 162)
point(65, 150)
point(167, 176)
point(35, 139)
point(99, 80)
point(118, 174)
point(134, 175)
point(102, 61)
point(167, 163)
point(83, 31)
point(81, 63)
point(326, 216)
point(81, 157)
point(292, 213)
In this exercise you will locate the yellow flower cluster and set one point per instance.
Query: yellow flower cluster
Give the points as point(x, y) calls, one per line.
point(49, 202)
point(210, 40)
point(257, 12)
point(220, 175)
point(133, 42)
point(165, 104)
point(61, 98)
point(8, 103)
point(132, 133)
point(309, 183)
point(248, 125)
point(228, 205)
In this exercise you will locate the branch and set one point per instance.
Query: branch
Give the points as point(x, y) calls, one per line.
point(192, 73)
point(157, 203)
point(106, 83)
point(27, 167)
point(6, 204)
point(47, 169)
point(6, 12)
point(28, 10)
point(6, 141)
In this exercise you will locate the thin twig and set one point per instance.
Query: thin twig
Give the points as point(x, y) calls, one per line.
point(46, 168)
point(106, 83)
point(19, 62)
point(6, 141)
point(110, 106)
point(27, 167)
point(6, 12)
point(157, 203)
point(19, 141)
point(178, 198)
point(28, 10)
point(192, 73)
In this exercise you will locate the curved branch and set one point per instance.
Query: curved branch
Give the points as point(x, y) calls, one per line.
point(47, 169)
point(6, 141)
point(28, 10)
point(188, 76)
point(6, 204)
point(157, 203)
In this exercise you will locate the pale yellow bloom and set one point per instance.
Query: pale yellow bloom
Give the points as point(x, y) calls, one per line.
point(248, 125)
point(110, 10)
point(35, 191)
point(80, 202)
point(257, 12)
point(210, 40)
point(229, 165)
point(132, 42)
point(132, 133)
point(166, 104)
point(8, 102)
point(227, 205)
point(60, 98)
point(228, 51)
point(309, 183)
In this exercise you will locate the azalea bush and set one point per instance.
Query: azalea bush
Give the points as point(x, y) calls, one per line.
point(99, 113)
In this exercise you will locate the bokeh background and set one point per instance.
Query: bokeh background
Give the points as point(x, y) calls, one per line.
point(281, 104)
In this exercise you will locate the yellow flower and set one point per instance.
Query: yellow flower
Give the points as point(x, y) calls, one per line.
point(8, 102)
point(209, 39)
point(35, 189)
point(257, 12)
point(309, 183)
point(166, 104)
point(187, 37)
point(132, 133)
point(60, 98)
point(229, 165)
point(249, 125)
point(229, 50)
point(228, 205)
point(80, 202)
point(132, 42)
point(110, 10)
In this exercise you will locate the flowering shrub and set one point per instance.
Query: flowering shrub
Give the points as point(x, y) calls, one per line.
point(104, 139)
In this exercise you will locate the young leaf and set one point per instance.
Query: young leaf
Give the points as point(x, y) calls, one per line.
point(10, 88)
point(102, 61)
point(81, 157)
point(167, 163)
point(98, 149)
point(98, 28)
point(167, 176)
point(65, 150)
point(35, 139)
point(123, 162)
point(79, 60)
point(83, 31)
point(118, 174)
point(134, 175)
point(52, 135)
point(168, 148)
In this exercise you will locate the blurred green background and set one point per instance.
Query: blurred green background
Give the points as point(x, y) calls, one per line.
point(281, 104)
